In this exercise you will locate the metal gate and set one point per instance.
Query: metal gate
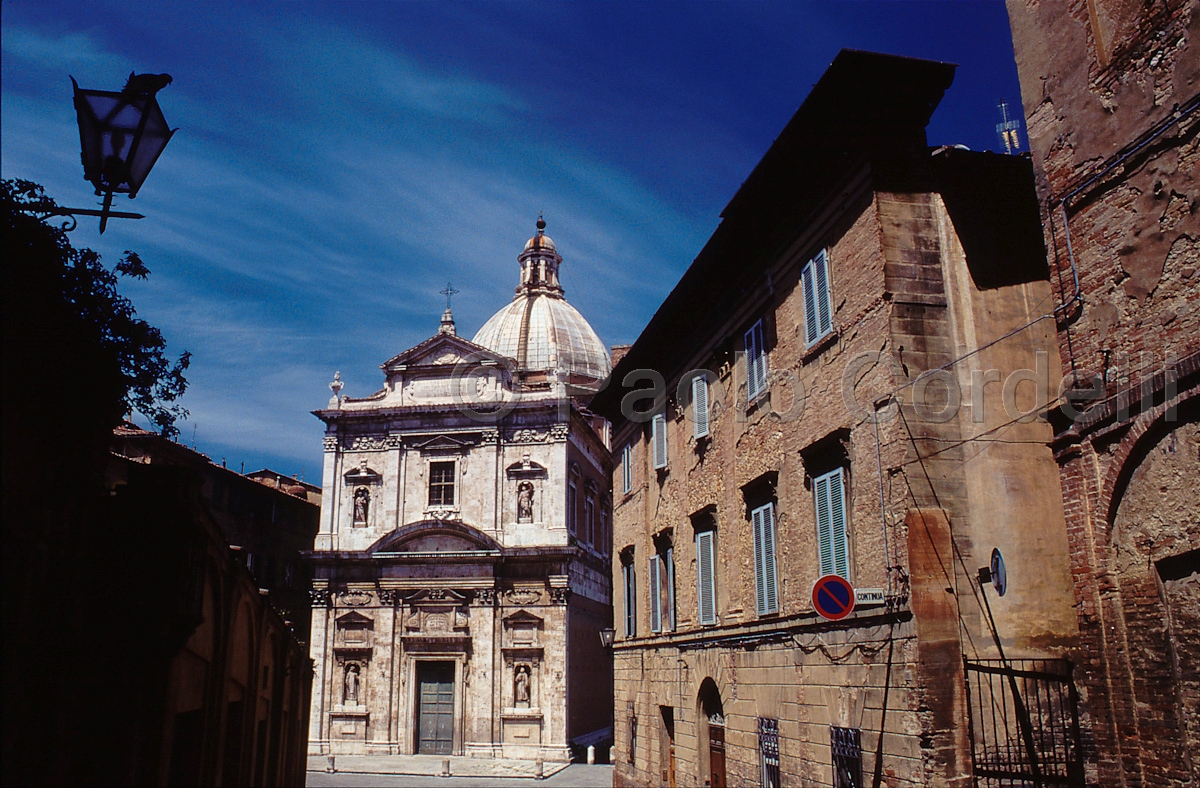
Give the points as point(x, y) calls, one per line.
point(1024, 723)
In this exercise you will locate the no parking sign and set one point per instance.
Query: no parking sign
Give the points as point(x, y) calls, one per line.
point(833, 597)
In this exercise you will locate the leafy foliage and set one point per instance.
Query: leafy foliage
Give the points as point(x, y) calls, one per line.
point(151, 383)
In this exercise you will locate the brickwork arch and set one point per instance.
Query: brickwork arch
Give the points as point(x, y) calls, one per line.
point(1145, 432)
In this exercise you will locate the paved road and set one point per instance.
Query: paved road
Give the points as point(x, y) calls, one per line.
point(574, 776)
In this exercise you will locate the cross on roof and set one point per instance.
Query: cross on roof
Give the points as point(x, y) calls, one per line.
point(448, 292)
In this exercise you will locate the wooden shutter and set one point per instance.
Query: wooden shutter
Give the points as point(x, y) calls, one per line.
point(706, 580)
point(670, 562)
point(760, 361)
point(626, 469)
point(837, 520)
point(658, 428)
point(630, 609)
point(756, 362)
point(768, 528)
point(832, 541)
point(824, 310)
point(811, 330)
point(766, 599)
point(655, 595)
point(824, 534)
point(699, 406)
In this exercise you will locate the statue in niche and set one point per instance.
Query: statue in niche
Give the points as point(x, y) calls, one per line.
point(351, 685)
point(362, 503)
point(525, 502)
point(521, 685)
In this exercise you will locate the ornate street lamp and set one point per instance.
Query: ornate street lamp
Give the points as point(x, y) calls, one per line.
point(607, 636)
point(121, 135)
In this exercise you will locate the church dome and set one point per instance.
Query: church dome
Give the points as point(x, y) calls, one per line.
point(539, 328)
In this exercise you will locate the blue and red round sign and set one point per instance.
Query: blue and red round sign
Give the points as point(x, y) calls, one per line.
point(833, 597)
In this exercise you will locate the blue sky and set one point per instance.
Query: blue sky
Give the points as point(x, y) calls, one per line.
point(337, 163)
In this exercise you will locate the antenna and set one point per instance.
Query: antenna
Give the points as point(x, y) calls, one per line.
point(1008, 130)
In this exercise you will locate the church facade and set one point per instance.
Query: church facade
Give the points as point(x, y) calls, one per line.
point(460, 572)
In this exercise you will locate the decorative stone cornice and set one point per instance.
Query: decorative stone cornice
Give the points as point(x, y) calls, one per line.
point(320, 597)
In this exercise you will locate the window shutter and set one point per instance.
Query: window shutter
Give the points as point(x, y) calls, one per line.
point(766, 598)
point(837, 519)
point(658, 428)
point(824, 526)
point(824, 312)
point(756, 362)
point(699, 406)
point(760, 365)
point(811, 330)
point(833, 543)
point(705, 554)
point(626, 469)
point(655, 596)
point(630, 609)
point(771, 594)
point(760, 587)
point(670, 562)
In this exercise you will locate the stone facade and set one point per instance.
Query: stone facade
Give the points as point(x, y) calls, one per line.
point(1110, 97)
point(461, 569)
point(921, 398)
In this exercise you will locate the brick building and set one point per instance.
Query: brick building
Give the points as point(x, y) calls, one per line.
point(268, 518)
point(849, 379)
point(1110, 91)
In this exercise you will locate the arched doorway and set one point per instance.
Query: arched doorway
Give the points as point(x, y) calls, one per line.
point(1156, 562)
point(711, 734)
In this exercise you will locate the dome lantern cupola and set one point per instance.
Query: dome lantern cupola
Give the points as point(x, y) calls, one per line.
point(539, 264)
point(539, 329)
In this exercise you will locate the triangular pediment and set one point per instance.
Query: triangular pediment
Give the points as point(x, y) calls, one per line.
point(355, 619)
point(522, 617)
point(444, 350)
point(442, 442)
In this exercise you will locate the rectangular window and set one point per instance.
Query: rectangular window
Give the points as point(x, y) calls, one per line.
point(699, 407)
point(604, 538)
point(441, 483)
point(655, 594)
point(572, 508)
point(626, 469)
point(669, 564)
point(768, 751)
point(629, 586)
point(756, 363)
point(766, 599)
point(589, 520)
point(818, 315)
point(846, 744)
point(706, 561)
point(658, 434)
point(832, 544)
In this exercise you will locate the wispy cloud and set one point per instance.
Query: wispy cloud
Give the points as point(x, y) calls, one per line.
point(337, 163)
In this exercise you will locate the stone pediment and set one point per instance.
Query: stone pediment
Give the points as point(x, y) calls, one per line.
point(522, 617)
point(443, 442)
point(363, 475)
point(355, 619)
point(436, 536)
point(444, 350)
point(525, 469)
